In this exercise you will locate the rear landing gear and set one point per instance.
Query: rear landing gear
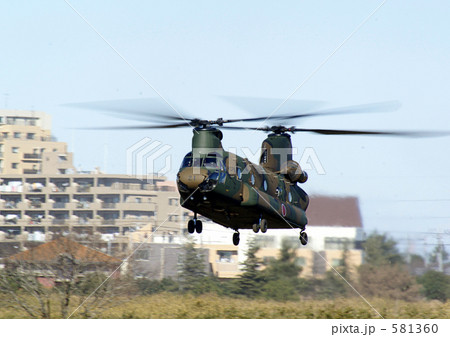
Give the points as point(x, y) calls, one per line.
point(303, 238)
point(261, 225)
point(236, 238)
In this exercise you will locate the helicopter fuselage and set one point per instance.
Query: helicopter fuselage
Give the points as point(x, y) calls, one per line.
point(235, 193)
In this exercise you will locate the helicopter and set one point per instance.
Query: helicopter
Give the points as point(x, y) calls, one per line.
point(238, 194)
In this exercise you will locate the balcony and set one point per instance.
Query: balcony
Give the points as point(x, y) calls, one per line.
point(35, 204)
point(11, 204)
point(108, 205)
point(32, 156)
point(30, 171)
point(83, 189)
point(83, 205)
point(59, 221)
point(59, 204)
point(108, 221)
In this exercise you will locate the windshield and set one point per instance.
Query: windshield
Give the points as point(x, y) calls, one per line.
point(211, 161)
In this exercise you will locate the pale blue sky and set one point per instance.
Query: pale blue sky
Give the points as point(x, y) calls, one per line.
point(194, 51)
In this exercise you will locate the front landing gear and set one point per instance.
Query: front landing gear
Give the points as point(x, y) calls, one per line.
point(236, 238)
point(303, 238)
point(195, 225)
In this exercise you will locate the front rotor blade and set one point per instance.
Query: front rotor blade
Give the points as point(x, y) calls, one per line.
point(244, 128)
point(137, 127)
point(148, 109)
point(266, 106)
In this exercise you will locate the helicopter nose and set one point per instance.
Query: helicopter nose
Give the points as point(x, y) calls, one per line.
point(191, 177)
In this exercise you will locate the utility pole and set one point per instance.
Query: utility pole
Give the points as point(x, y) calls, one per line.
point(440, 253)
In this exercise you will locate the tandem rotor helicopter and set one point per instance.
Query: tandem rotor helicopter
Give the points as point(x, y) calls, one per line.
point(236, 193)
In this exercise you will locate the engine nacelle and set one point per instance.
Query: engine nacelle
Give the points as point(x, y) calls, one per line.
point(293, 172)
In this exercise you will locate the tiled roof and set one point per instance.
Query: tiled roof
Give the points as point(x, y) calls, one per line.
point(334, 211)
point(50, 251)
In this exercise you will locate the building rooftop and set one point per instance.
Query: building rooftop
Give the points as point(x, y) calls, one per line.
point(50, 252)
point(334, 211)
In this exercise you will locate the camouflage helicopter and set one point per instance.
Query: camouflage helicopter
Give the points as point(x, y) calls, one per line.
point(236, 193)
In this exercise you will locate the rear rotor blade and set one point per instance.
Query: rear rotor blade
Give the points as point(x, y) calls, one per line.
point(356, 109)
point(411, 134)
point(268, 105)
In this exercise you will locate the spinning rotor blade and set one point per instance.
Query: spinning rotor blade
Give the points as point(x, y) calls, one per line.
point(147, 110)
point(136, 127)
point(267, 105)
point(283, 129)
point(411, 134)
point(364, 108)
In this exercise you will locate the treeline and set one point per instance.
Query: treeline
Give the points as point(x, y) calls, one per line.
point(77, 290)
point(384, 274)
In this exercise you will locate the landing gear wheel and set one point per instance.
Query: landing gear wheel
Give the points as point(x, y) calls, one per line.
point(198, 226)
point(256, 227)
point(303, 238)
point(191, 226)
point(236, 239)
point(263, 223)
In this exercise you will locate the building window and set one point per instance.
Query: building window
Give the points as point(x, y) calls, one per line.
point(227, 256)
point(17, 134)
point(336, 262)
point(173, 218)
point(15, 149)
point(15, 165)
point(143, 254)
point(5, 135)
point(30, 135)
point(173, 201)
point(339, 243)
point(300, 261)
point(268, 259)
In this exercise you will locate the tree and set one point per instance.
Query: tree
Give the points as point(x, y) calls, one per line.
point(285, 266)
point(251, 280)
point(388, 281)
point(192, 268)
point(64, 274)
point(282, 275)
point(439, 254)
point(381, 250)
point(384, 273)
point(435, 285)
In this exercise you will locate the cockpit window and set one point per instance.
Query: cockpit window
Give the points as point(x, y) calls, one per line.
point(187, 161)
point(212, 161)
point(263, 159)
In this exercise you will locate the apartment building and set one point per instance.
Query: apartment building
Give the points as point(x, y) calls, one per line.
point(42, 196)
point(27, 146)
